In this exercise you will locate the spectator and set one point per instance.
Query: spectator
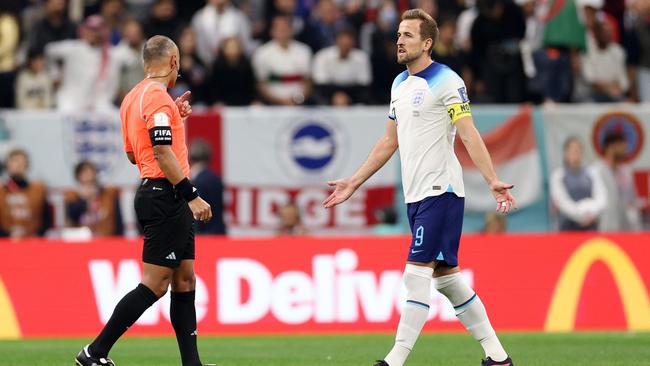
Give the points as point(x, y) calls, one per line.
point(138, 9)
point(218, 20)
point(33, 84)
point(464, 28)
point(603, 65)
point(209, 186)
point(9, 37)
point(290, 221)
point(621, 212)
point(24, 211)
point(55, 26)
point(194, 72)
point(495, 54)
point(383, 51)
point(641, 31)
point(282, 66)
point(577, 192)
point(163, 20)
point(129, 51)
point(564, 38)
point(92, 205)
point(445, 50)
point(232, 81)
point(89, 71)
point(386, 222)
point(495, 223)
point(304, 30)
point(113, 13)
point(431, 7)
point(342, 72)
point(325, 23)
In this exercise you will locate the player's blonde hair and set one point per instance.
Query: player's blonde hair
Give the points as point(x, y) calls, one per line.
point(428, 26)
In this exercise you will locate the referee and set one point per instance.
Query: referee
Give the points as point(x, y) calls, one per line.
point(166, 205)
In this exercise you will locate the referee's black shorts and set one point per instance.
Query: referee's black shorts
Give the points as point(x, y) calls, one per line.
point(167, 222)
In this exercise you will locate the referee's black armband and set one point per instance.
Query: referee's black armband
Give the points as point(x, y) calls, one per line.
point(161, 135)
point(186, 190)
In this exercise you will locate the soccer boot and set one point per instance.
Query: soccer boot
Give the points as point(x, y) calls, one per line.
point(85, 359)
point(491, 362)
point(381, 363)
point(210, 364)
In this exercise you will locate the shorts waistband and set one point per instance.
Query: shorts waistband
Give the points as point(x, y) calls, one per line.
point(158, 181)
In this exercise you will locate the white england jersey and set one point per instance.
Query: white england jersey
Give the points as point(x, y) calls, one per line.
point(425, 107)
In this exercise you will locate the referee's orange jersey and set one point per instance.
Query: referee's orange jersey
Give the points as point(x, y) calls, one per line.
point(150, 116)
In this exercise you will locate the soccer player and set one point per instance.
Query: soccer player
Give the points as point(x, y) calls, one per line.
point(166, 204)
point(429, 105)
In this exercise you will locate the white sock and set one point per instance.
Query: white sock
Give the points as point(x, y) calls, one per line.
point(416, 310)
point(471, 312)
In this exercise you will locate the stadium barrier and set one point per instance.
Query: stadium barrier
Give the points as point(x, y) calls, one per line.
point(330, 285)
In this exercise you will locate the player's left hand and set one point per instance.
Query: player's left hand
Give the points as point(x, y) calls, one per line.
point(183, 104)
point(501, 192)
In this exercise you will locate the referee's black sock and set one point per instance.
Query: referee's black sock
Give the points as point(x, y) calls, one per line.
point(183, 317)
point(126, 312)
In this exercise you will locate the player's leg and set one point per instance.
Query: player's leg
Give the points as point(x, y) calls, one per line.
point(471, 312)
point(183, 312)
point(448, 281)
point(417, 279)
point(155, 281)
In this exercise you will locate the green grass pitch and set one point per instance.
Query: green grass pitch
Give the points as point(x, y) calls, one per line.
point(527, 349)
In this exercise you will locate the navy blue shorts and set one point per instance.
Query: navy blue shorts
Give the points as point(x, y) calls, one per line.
point(436, 224)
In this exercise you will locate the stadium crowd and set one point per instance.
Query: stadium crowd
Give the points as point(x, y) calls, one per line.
point(85, 53)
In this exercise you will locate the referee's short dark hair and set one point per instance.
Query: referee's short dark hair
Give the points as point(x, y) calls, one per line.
point(156, 47)
point(428, 26)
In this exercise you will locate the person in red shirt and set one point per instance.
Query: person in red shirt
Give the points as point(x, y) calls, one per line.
point(166, 205)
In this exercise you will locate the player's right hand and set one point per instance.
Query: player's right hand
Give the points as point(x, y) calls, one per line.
point(200, 209)
point(343, 189)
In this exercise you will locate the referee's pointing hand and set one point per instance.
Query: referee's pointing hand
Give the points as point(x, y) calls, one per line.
point(200, 209)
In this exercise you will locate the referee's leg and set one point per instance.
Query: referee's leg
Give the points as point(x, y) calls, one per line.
point(155, 281)
point(183, 312)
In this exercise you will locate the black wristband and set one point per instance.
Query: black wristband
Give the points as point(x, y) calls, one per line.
point(186, 190)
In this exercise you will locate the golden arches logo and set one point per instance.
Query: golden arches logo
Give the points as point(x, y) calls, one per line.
point(9, 328)
point(634, 296)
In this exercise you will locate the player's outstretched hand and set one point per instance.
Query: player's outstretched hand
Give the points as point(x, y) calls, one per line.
point(501, 192)
point(343, 189)
point(183, 104)
point(200, 209)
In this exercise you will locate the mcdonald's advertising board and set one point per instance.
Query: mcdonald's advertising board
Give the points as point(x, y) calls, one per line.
point(330, 285)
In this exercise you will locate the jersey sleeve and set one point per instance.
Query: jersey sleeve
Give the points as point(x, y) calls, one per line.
point(157, 112)
point(391, 108)
point(455, 99)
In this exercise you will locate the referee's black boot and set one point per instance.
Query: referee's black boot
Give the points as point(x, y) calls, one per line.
point(381, 363)
point(85, 359)
point(490, 362)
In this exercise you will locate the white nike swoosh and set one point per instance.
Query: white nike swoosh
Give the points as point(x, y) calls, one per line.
point(416, 251)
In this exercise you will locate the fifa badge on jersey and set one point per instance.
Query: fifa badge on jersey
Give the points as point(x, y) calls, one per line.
point(462, 92)
point(418, 97)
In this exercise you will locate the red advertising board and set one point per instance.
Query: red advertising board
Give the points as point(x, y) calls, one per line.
point(308, 285)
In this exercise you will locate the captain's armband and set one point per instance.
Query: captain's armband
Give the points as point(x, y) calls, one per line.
point(458, 111)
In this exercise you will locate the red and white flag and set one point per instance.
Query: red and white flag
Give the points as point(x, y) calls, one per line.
point(516, 159)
